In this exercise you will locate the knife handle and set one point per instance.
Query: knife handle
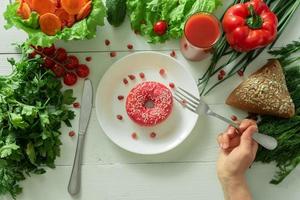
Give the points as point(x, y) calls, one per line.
point(75, 179)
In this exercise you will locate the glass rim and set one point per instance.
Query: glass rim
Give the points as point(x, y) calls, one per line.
point(219, 25)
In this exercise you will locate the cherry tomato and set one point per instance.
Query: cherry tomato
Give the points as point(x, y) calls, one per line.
point(160, 27)
point(72, 62)
point(49, 51)
point(82, 71)
point(61, 54)
point(58, 70)
point(70, 78)
point(48, 63)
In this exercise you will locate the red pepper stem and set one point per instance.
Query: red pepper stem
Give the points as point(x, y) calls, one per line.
point(254, 21)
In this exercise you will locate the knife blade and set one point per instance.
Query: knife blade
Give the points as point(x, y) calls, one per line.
point(86, 106)
point(85, 113)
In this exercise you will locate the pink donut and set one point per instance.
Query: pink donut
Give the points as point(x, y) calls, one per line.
point(149, 103)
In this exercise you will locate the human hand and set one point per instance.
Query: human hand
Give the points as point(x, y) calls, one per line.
point(237, 151)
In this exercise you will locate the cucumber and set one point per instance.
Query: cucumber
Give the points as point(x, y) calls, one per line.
point(116, 12)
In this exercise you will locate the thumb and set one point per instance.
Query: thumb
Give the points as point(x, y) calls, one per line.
point(246, 138)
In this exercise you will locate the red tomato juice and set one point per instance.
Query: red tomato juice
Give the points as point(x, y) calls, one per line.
point(202, 30)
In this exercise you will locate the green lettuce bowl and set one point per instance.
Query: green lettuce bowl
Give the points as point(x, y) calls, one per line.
point(84, 29)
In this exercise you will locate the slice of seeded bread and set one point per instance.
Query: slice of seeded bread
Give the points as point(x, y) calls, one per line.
point(264, 92)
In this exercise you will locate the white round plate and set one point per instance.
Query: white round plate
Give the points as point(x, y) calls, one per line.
point(169, 133)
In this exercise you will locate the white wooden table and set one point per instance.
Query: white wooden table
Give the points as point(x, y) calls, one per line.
point(110, 173)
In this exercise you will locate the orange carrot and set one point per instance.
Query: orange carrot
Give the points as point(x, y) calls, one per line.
point(24, 10)
point(44, 6)
point(73, 6)
point(50, 24)
point(65, 18)
point(84, 11)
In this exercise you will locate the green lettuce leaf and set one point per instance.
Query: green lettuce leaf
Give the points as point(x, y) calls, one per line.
point(143, 14)
point(84, 29)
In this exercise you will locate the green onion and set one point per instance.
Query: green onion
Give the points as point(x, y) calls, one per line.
point(284, 9)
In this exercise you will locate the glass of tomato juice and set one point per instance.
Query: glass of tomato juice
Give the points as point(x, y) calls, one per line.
point(201, 32)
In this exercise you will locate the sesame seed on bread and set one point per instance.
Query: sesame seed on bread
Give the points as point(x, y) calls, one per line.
point(264, 92)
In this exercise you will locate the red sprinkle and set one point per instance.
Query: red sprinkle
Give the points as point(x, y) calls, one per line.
point(88, 59)
point(222, 72)
point(220, 77)
point(234, 118)
point(107, 42)
point(152, 135)
point(172, 85)
point(129, 46)
point(185, 45)
point(173, 54)
point(183, 102)
point(134, 136)
point(120, 97)
point(125, 81)
point(76, 105)
point(131, 77)
point(162, 72)
point(142, 75)
point(72, 133)
point(240, 73)
point(119, 117)
point(113, 54)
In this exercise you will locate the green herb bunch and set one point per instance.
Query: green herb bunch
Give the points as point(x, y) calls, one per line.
point(286, 131)
point(32, 108)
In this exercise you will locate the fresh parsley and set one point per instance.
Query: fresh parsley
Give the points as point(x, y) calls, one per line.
point(32, 109)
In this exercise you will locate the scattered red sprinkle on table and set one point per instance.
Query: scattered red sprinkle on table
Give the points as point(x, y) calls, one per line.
point(152, 135)
point(107, 42)
point(113, 54)
point(173, 54)
point(240, 73)
point(125, 81)
point(142, 75)
point(76, 105)
point(88, 59)
point(120, 97)
point(162, 72)
point(222, 72)
point(130, 46)
point(119, 117)
point(131, 77)
point(134, 136)
point(220, 76)
point(72, 133)
point(172, 85)
point(234, 118)
point(185, 45)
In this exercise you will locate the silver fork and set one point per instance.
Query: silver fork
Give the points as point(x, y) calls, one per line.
point(198, 106)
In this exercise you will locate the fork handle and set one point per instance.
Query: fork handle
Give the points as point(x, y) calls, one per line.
point(264, 140)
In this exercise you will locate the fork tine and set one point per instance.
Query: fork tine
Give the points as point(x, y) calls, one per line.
point(179, 100)
point(187, 102)
point(187, 97)
point(191, 95)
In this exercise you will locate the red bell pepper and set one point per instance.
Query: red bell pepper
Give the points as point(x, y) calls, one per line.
point(250, 25)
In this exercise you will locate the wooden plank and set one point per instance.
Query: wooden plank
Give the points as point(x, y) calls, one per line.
point(190, 181)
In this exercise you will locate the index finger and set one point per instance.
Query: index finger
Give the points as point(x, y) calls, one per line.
point(246, 123)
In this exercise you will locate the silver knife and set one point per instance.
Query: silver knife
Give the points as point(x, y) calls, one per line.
point(85, 113)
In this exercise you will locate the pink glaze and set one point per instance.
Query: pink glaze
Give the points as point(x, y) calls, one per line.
point(156, 93)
